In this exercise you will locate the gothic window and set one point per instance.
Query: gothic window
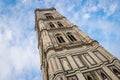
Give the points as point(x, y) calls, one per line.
point(100, 56)
point(61, 78)
point(78, 61)
point(103, 75)
point(89, 78)
point(72, 78)
point(60, 24)
point(60, 39)
point(65, 63)
point(52, 25)
point(71, 37)
point(49, 16)
point(115, 71)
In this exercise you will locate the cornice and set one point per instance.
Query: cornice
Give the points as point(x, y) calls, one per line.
point(71, 46)
point(45, 9)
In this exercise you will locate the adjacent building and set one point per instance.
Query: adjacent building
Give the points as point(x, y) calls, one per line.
point(67, 53)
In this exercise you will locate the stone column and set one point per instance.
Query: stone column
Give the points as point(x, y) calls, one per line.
point(50, 68)
point(85, 61)
point(58, 63)
point(109, 72)
point(46, 40)
point(49, 43)
point(41, 25)
point(65, 38)
point(99, 78)
point(54, 64)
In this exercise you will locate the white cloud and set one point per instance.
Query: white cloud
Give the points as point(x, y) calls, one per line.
point(108, 6)
point(18, 45)
point(8, 34)
point(93, 8)
point(113, 8)
point(86, 16)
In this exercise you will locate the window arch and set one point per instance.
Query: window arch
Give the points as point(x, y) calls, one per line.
point(52, 25)
point(61, 78)
point(116, 72)
point(60, 24)
point(60, 38)
point(103, 76)
point(89, 78)
point(71, 37)
point(73, 77)
point(49, 16)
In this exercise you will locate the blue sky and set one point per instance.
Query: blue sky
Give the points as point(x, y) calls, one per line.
point(19, 57)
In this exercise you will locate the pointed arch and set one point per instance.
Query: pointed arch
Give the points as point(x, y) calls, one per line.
point(89, 78)
point(116, 72)
point(73, 77)
point(60, 39)
point(71, 37)
point(51, 25)
point(49, 16)
point(61, 78)
point(60, 24)
point(103, 75)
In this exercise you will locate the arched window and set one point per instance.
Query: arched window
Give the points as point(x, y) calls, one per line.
point(49, 16)
point(103, 76)
point(71, 37)
point(72, 78)
point(52, 25)
point(60, 24)
point(89, 78)
point(116, 72)
point(61, 78)
point(60, 38)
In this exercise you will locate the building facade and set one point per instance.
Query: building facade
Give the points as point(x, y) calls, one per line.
point(66, 53)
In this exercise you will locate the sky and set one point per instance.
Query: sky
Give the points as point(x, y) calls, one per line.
point(19, 55)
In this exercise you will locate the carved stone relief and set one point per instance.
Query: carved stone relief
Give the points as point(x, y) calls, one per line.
point(65, 64)
point(78, 61)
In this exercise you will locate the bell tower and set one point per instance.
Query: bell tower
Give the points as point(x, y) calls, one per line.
point(67, 53)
